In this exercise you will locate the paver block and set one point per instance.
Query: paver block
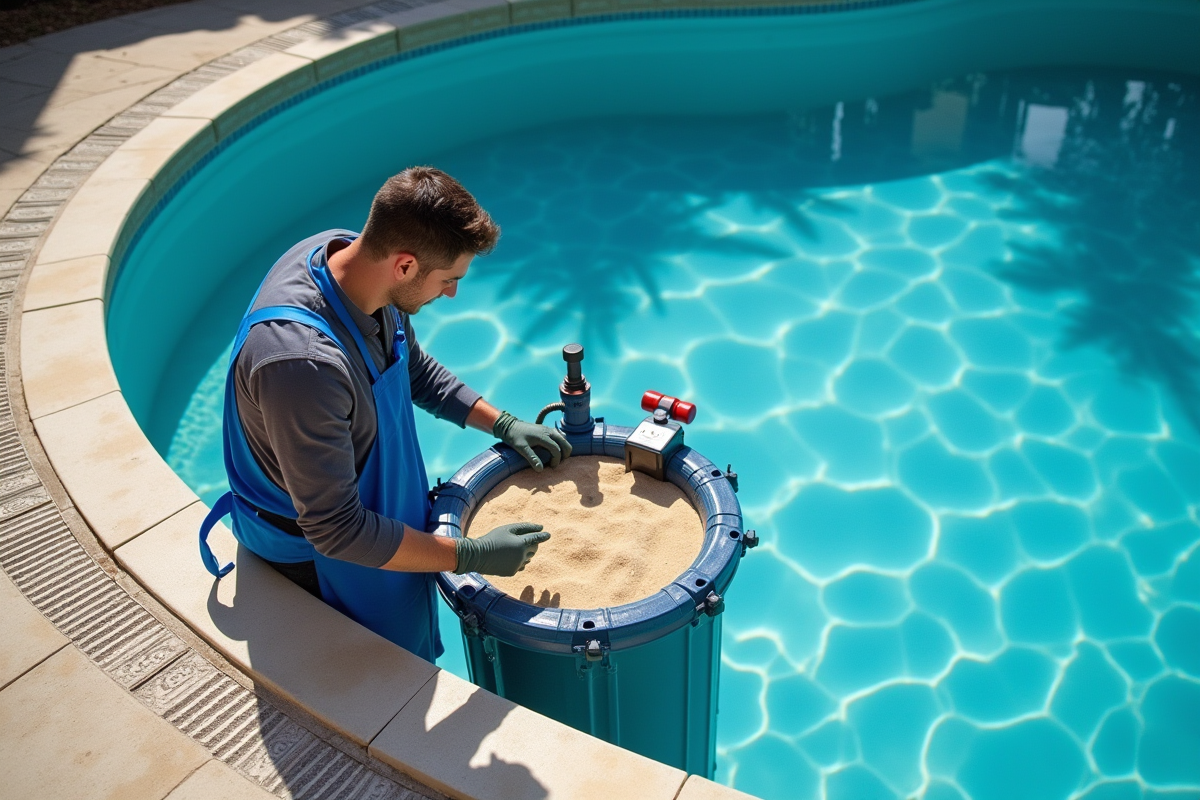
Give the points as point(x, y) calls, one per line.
point(92, 223)
point(185, 36)
point(66, 730)
point(20, 173)
point(347, 48)
point(62, 282)
point(64, 359)
point(215, 780)
point(698, 788)
point(116, 479)
point(449, 19)
point(28, 636)
point(276, 9)
point(468, 742)
point(235, 100)
point(525, 12)
point(90, 76)
point(60, 126)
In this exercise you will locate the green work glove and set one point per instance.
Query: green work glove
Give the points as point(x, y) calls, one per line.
point(524, 436)
point(502, 551)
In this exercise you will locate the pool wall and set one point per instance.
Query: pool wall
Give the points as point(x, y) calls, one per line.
point(404, 711)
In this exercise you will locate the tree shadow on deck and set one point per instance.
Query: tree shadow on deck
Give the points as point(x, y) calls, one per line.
point(58, 88)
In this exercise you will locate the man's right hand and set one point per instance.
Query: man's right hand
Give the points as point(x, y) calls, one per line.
point(503, 551)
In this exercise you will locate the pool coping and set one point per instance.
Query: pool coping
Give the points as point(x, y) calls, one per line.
point(137, 520)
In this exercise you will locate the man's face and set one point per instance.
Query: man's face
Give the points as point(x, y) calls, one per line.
point(411, 294)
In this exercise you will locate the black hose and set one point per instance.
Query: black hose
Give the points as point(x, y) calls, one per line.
point(552, 407)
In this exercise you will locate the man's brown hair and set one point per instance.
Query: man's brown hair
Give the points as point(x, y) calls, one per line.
point(425, 212)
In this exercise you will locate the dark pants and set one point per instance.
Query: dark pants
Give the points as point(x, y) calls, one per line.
point(303, 574)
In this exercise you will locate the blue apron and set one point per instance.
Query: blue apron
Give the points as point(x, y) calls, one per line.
point(400, 606)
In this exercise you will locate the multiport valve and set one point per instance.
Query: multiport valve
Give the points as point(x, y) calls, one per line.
point(652, 443)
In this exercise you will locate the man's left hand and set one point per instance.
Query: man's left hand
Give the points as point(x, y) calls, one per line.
point(524, 436)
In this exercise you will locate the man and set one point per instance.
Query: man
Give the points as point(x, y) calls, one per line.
point(328, 484)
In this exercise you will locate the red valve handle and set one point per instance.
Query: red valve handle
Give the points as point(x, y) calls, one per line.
point(677, 409)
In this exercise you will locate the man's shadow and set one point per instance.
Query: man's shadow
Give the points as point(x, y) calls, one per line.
point(268, 613)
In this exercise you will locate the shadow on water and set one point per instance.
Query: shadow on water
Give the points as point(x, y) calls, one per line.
point(593, 231)
point(595, 212)
point(596, 232)
point(600, 280)
point(1121, 198)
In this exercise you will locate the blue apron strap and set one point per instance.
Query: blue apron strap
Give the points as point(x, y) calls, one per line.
point(292, 314)
point(221, 508)
point(286, 313)
point(324, 281)
point(399, 339)
point(258, 291)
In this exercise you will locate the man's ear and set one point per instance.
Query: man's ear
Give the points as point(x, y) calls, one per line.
point(404, 266)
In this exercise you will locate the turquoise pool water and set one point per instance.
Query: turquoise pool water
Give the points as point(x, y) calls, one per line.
point(948, 339)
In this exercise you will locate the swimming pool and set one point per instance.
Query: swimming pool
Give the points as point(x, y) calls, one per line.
point(946, 336)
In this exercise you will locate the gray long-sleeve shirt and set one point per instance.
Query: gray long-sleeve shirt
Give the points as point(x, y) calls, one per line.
point(308, 412)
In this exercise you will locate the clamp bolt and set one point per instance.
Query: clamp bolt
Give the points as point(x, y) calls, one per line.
point(592, 650)
point(713, 604)
point(750, 539)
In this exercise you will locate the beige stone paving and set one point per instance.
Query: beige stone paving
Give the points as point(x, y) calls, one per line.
point(698, 788)
point(17, 174)
point(215, 781)
point(235, 100)
point(91, 222)
point(56, 89)
point(28, 637)
point(62, 369)
point(468, 742)
point(63, 282)
point(107, 465)
point(43, 128)
point(68, 731)
point(93, 74)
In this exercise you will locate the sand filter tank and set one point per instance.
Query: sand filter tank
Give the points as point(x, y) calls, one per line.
point(642, 674)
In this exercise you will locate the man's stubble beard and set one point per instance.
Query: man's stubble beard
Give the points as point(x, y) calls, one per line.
point(406, 300)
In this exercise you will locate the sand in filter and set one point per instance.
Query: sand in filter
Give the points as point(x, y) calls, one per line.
point(617, 536)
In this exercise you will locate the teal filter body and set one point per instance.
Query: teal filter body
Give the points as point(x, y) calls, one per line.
point(643, 675)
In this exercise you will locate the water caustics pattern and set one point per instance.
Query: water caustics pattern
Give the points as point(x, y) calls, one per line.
point(949, 341)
